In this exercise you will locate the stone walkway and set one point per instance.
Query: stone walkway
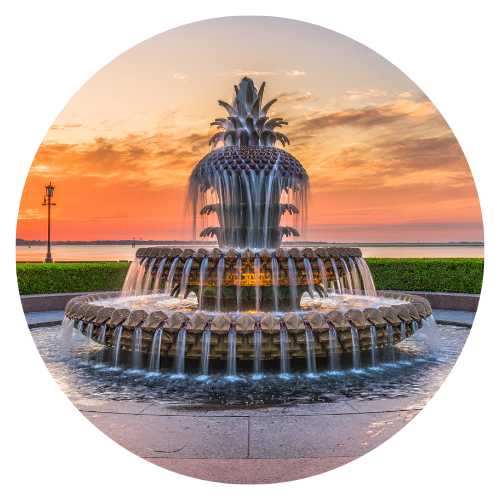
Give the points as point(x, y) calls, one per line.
point(253, 446)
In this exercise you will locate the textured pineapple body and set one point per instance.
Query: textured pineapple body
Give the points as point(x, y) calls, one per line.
point(249, 159)
point(244, 186)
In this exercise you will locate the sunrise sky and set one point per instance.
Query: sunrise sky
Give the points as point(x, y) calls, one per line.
point(382, 162)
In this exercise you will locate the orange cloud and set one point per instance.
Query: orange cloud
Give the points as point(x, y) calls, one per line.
point(387, 172)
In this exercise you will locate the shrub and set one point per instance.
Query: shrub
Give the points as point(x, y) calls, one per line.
point(432, 275)
point(70, 277)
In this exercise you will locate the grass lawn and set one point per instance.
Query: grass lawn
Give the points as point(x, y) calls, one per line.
point(432, 275)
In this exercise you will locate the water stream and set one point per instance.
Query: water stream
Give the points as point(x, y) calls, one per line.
point(137, 348)
point(170, 278)
point(117, 336)
point(155, 353)
point(276, 281)
point(180, 352)
point(205, 351)
point(231, 353)
point(284, 357)
point(311, 356)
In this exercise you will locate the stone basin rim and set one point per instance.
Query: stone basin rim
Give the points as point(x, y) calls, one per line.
point(414, 308)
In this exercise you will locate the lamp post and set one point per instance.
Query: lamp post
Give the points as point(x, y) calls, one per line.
point(47, 201)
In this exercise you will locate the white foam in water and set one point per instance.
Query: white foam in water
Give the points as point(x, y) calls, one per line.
point(67, 330)
point(429, 333)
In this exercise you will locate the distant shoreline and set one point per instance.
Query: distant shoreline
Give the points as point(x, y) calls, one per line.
point(21, 242)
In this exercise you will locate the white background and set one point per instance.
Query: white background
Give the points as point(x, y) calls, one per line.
point(49, 49)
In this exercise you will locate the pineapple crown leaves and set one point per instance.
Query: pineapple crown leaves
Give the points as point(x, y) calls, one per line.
point(247, 123)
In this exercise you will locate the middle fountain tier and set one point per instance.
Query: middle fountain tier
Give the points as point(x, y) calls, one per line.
point(265, 280)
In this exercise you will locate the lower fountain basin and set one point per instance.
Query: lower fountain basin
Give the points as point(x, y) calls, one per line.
point(159, 327)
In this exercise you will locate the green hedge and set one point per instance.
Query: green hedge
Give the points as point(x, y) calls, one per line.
point(433, 275)
point(70, 277)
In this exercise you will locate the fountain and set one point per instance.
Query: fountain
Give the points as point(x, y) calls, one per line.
point(251, 301)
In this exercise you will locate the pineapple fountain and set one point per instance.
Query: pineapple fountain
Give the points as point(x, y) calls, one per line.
point(249, 304)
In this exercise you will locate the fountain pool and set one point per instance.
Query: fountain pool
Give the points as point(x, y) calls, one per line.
point(415, 368)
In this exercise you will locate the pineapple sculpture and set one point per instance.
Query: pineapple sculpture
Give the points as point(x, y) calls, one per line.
point(249, 183)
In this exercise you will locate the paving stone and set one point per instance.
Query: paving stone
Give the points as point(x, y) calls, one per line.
point(179, 436)
point(389, 405)
point(322, 435)
point(110, 406)
point(251, 471)
point(298, 409)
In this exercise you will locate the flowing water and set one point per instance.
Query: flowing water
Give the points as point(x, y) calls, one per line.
point(141, 272)
point(137, 349)
point(333, 361)
point(129, 283)
point(416, 370)
point(284, 357)
point(402, 329)
point(146, 274)
point(276, 281)
point(205, 352)
point(101, 338)
point(231, 353)
point(373, 348)
point(368, 284)
point(309, 277)
point(356, 282)
point(347, 275)
point(260, 194)
point(311, 356)
point(257, 352)
point(340, 288)
point(185, 277)
point(155, 354)
point(322, 272)
point(292, 283)
point(159, 272)
point(117, 336)
point(256, 266)
point(390, 349)
point(238, 283)
point(89, 330)
point(203, 277)
point(180, 352)
point(220, 282)
point(356, 358)
point(170, 278)
point(146, 288)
